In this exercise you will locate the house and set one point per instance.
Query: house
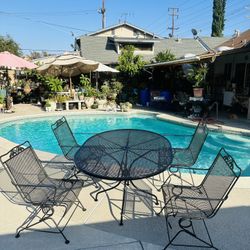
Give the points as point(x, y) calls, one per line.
point(232, 72)
point(233, 63)
point(105, 45)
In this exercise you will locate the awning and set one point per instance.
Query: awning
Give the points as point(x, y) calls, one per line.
point(195, 59)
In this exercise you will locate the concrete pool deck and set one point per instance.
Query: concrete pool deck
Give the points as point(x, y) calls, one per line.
point(97, 228)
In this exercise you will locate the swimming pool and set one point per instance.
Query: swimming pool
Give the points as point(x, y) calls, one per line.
point(38, 132)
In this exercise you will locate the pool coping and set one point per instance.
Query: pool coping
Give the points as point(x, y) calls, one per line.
point(157, 114)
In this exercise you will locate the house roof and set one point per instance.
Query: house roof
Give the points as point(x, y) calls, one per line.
point(238, 41)
point(103, 49)
point(122, 25)
point(214, 42)
point(210, 56)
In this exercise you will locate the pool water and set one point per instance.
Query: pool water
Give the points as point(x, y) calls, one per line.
point(38, 131)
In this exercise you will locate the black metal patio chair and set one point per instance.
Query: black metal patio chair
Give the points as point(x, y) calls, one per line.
point(198, 203)
point(185, 156)
point(188, 156)
point(65, 138)
point(69, 146)
point(37, 191)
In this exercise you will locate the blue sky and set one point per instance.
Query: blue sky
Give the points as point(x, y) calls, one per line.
point(52, 24)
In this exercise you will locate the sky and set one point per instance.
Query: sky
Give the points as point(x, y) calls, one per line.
point(52, 25)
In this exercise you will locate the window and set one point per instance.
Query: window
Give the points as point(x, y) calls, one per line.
point(139, 46)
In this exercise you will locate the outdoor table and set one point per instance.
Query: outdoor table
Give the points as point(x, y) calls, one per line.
point(124, 155)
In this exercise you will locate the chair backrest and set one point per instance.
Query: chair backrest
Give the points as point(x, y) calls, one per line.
point(198, 140)
point(65, 138)
point(220, 179)
point(26, 172)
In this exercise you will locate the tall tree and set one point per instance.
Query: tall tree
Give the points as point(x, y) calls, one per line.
point(8, 44)
point(218, 18)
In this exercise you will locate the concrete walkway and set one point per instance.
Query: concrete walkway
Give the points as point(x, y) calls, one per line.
point(97, 228)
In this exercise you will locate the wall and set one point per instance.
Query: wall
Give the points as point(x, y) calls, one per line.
point(124, 32)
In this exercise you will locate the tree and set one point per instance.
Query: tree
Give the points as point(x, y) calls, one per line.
point(164, 56)
point(218, 18)
point(129, 63)
point(8, 44)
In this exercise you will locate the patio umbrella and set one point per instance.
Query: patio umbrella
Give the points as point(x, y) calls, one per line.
point(11, 61)
point(104, 68)
point(67, 66)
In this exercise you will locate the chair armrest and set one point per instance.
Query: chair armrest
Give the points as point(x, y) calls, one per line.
point(185, 167)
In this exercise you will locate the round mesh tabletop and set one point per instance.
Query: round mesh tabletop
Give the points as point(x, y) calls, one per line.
point(124, 154)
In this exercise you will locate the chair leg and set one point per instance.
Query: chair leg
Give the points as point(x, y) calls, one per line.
point(48, 213)
point(188, 229)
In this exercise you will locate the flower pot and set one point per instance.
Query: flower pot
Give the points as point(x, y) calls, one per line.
point(81, 97)
point(89, 101)
point(198, 92)
point(101, 103)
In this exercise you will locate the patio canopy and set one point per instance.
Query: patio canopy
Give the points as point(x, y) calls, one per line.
point(67, 65)
point(11, 61)
point(105, 68)
point(194, 59)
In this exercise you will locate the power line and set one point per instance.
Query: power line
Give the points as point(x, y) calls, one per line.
point(44, 22)
point(47, 13)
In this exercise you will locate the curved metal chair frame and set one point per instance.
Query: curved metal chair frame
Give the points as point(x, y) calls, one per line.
point(69, 146)
point(41, 194)
point(65, 138)
point(185, 156)
point(188, 156)
point(190, 203)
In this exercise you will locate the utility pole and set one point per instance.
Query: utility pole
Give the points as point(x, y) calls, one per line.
point(102, 11)
point(174, 14)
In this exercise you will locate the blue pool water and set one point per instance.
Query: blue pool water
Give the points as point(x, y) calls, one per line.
point(38, 132)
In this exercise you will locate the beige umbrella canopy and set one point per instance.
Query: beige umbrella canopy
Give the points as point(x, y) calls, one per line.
point(105, 68)
point(67, 66)
point(102, 68)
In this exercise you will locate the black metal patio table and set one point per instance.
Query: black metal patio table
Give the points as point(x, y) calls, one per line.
point(124, 155)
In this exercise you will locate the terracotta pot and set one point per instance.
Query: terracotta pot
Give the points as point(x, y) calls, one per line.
point(198, 92)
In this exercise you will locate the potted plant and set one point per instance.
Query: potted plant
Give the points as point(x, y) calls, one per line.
point(81, 96)
point(125, 106)
point(197, 75)
point(89, 92)
point(47, 106)
point(60, 99)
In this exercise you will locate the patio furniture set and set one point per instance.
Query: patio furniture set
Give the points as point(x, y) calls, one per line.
point(122, 156)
